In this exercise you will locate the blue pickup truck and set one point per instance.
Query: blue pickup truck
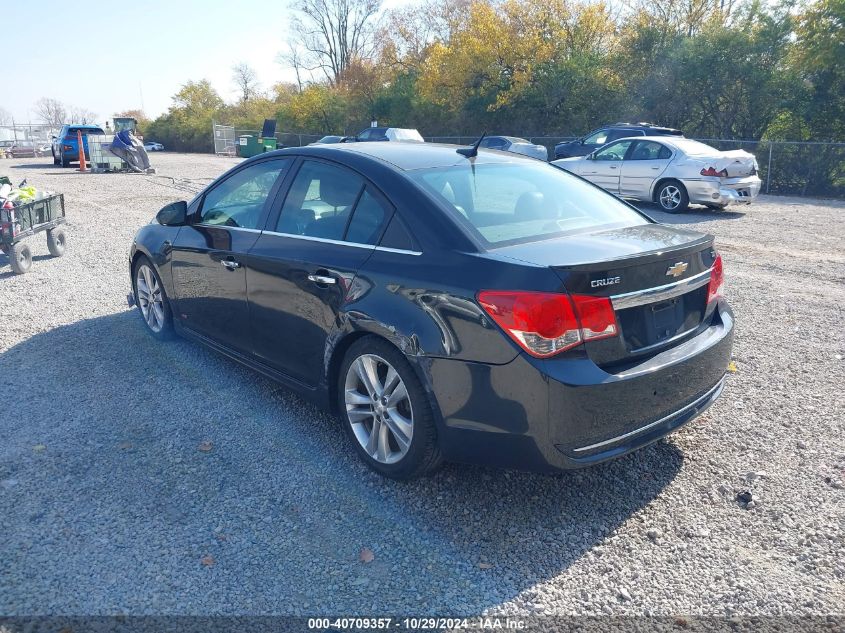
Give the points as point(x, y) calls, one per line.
point(66, 144)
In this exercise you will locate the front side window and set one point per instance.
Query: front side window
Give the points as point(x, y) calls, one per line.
point(522, 202)
point(320, 201)
point(239, 200)
point(613, 152)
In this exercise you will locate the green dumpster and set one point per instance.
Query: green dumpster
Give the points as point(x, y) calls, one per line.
point(269, 144)
point(248, 145)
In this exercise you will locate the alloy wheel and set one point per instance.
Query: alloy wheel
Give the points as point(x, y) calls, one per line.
point(150, 297)
point(378, 408)
point(670, 197)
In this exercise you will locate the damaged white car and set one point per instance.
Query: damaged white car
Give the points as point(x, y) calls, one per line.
point(673, 172)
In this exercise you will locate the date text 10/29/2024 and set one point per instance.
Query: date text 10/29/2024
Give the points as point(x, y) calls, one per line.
point(416, 624)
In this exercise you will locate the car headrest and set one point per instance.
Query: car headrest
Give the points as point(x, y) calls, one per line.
point(339, 192)
point(531, 205)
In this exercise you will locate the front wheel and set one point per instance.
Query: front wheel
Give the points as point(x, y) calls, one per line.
point(672, 197)
point(151, 300)
point(386, 411)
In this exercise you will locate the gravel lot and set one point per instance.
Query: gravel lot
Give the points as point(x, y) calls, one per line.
point(109, 505)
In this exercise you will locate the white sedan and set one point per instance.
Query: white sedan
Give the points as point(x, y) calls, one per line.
point(673, 172)
point(152, 146)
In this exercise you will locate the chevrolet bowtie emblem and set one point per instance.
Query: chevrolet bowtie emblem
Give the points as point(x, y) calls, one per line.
point(677, 270)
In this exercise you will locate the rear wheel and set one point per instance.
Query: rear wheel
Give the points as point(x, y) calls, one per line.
point(386, 411)
point(151, 300)
point(56, 242)
point(64, 161)
point(672, 197)
point(20, 257)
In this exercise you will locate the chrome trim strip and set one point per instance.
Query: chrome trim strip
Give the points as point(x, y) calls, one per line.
point(322, 239)
point(344, 243)
point(225, 226)
point(712, 393)
point(660, 293)
point(400, 251)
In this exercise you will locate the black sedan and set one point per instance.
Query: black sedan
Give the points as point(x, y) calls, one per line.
point(481, 308)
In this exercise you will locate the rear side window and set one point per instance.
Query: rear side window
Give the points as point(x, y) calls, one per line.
point(649, 150)
point(397, 235)
point(367, 220)
point(320, 201)
point(524, 201)
point(331, 202)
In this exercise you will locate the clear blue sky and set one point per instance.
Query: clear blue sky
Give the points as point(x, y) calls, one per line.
point(102, 55)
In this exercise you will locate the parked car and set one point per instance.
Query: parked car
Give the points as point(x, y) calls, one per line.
point(386, 134)
point(25, 149)
point(152, 146)
point(671, 171)
point(487, 308)
point(66, 144)
point(598, 138)
point(516, 145)
point(328, 140)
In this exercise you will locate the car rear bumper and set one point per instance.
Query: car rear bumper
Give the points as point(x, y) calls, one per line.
point(723, 192)
point(569, 413)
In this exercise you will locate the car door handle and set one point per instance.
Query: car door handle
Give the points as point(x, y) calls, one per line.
point(230, 264)
point(613, 167)
point(322, 279)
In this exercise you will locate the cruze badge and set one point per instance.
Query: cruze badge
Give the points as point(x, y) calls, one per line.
point(598, 283)
point(677, 270)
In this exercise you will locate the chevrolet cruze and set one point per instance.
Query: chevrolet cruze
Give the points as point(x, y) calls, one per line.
point(447, 303)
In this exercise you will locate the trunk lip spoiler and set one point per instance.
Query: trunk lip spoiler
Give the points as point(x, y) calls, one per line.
point(660, 293)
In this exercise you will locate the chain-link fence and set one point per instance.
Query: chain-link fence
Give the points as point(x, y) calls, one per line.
point(786, 167)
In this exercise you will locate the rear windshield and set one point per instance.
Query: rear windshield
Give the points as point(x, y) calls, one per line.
point(694, 148)
point(517, 202)
point(85, 130)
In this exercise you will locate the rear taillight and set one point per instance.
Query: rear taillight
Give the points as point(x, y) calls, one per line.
point(711, 171)
point(717, 280)
point(67, 147)
point(547, 323)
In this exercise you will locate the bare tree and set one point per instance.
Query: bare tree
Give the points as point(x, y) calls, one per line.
point(244, 77)
point(51, 111)
point(334, 33)
point(5, 117)
point(292, 58)
point(81, 116)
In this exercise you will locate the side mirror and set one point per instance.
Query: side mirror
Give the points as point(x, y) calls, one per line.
point(174, 214)
point(591, 156)
point(54, 137)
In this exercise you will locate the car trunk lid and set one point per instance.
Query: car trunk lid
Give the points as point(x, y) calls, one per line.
point(656, 277)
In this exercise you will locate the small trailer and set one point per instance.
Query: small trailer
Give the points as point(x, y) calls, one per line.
point(17, 223)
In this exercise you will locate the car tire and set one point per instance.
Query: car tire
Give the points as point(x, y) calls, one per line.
point(716, 207)
point(63, 161)
point(56, 242)
point(20, 258)
point(386, 412)
point(151, 300)
point(672, 197)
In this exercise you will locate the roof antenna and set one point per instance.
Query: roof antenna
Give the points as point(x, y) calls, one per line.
point(471, 152)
